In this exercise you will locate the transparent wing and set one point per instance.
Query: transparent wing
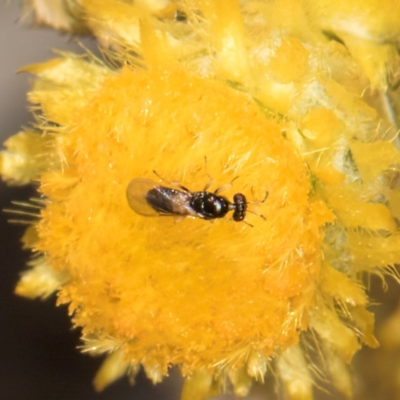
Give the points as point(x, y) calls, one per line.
point(136, 194)
point(148, 198)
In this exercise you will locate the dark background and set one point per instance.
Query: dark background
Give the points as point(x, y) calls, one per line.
point(38, 355)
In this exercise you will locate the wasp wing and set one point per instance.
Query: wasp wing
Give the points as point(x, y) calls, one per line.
point(136, 194)
point(148, 198)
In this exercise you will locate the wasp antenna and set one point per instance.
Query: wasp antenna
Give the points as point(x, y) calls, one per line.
point(258, 215)
point(259, 201)
point(234, 179)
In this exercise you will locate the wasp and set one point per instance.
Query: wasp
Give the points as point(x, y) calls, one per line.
point(147, 197)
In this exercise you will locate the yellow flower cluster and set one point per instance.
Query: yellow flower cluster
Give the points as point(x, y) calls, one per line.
point(283, 98)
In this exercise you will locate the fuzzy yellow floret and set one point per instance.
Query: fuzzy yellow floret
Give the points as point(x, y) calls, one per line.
point(66, 80)
point(294, 372)
point(40, 281)
point(65, 15)
point(368, 31)
point(24, 159)
point(179, 289)
point(246, 97)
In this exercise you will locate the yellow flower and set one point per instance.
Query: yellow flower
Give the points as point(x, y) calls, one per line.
point(216, 97)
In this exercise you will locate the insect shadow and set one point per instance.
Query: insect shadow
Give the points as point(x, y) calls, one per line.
point(149, 198)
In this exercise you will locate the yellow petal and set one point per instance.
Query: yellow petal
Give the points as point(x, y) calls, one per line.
point(41, 280)
point(112, 368)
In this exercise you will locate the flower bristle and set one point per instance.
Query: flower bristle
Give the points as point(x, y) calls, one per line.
point(273, 100)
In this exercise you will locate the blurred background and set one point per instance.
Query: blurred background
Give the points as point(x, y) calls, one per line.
point(38, 349)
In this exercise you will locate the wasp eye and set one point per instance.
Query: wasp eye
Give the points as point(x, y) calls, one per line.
point(239, 198)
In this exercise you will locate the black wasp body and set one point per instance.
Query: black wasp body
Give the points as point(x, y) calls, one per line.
point(148, 198)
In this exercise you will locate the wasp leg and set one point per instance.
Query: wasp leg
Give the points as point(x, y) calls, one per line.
point(227, 186)
point(176, 184)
